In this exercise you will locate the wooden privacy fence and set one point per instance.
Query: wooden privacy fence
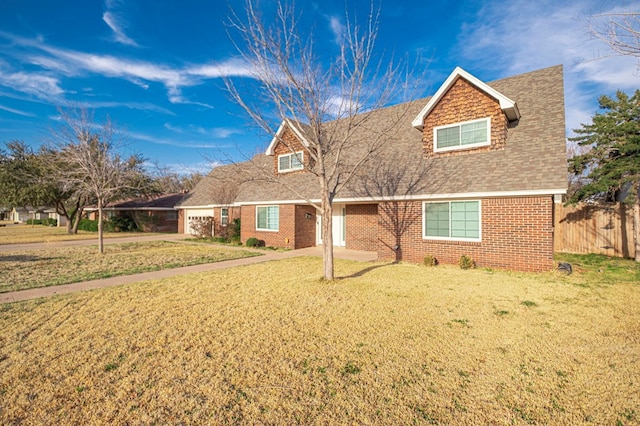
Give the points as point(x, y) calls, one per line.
point(594, 228)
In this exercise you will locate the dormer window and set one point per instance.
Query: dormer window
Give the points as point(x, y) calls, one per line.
point(290, 162)
point(465, 135)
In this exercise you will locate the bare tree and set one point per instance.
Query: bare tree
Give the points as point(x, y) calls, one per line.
point(166, 181)
point(619, 30)
point(332, 101)
point(90, 162)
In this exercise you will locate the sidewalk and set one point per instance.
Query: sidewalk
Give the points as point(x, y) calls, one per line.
point(36, 293)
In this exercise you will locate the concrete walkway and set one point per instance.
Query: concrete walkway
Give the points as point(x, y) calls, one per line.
point(16, 296)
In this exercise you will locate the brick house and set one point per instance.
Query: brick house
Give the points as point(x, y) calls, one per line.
point(213, 197)
point(475, 169)
point(155, 214)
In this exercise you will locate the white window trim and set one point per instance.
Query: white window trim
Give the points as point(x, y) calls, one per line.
point(424, 222)
point(461, 147)
point(299, 154)
point(266, 229)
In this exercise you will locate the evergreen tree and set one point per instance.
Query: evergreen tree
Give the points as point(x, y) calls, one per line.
point(612, 166)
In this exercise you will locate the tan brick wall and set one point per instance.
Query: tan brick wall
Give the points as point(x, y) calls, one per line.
point(290, 143)
point(362, 227)
point(517, 233)
point(465, 102)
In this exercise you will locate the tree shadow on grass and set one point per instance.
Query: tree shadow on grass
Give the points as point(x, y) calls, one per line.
point(364, 271)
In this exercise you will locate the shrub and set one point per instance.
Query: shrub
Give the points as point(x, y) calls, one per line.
point(120, 224)
point(49, 222)
point(254, 242)
point(202, 227)
point(34, 222)
point(466, 262)
point(88, 225)
point(430, 260)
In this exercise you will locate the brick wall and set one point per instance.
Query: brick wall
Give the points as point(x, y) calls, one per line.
point(224, 231)
point(362, 225)
point(517, 233)
point(284, 237)
point(181, 221)
point(464, 102)
point(305, 226)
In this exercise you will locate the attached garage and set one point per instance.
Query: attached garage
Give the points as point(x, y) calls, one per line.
point(191, 214)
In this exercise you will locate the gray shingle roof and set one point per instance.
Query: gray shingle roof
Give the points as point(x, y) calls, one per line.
point(534, 158)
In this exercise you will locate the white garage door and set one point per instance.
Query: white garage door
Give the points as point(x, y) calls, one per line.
point(191, 214)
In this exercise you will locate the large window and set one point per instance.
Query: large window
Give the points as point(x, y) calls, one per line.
point(290, 162)
point(452, 220)
point(469, 134)
point(267, 218)
point(224, 217)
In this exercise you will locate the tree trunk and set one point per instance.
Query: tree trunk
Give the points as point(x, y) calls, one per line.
point(100, 240)
point(327, 234)
point(76, 223)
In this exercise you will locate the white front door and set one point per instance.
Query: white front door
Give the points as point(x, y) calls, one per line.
point(339, 225)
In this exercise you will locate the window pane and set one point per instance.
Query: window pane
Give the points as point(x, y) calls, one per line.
point(437, 219)
point(465, 219)
point(284, 162)
point(262, 217)
point(296, 162)
point(447, 137)
point(273, 217)
point(224, 216)
point(475, 132)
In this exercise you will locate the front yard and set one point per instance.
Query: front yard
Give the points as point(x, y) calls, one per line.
point(22, 270)
point(385, 344)
point(25, 234)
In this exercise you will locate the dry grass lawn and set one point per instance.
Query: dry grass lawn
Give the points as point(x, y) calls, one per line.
point(42, 268)
point(273, 344)
point(24, 234)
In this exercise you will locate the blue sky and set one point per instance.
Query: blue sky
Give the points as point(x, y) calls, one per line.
point(154, 66)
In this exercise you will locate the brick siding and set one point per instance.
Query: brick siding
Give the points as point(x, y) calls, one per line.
point(181, 221)
point(284, 237)
point(465, 102)
point(362, 224)
point(517, 234)
point(305, 226)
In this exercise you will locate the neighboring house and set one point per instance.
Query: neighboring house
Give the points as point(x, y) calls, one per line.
point(473, 170)
point(53, 214)
point(22, 214)
point(157, 214)
point(213, 197)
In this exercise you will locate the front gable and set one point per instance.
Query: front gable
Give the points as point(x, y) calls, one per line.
point(465, 104)
point(289, 147)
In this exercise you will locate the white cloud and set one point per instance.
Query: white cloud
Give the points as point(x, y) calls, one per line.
point(72, 63)
point(183, 143)
point(337, 28)
point(217, 132)
point(16, 111)
point(522, 35)
point(40, 85)
point(116, 23)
